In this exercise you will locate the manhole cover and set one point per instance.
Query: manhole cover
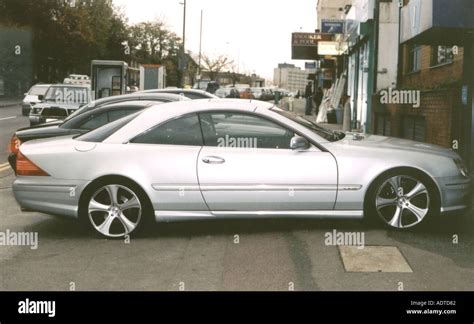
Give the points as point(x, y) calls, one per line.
point(373, 259)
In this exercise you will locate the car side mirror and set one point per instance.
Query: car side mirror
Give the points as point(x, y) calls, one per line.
point(40, 97)
point(299, 143)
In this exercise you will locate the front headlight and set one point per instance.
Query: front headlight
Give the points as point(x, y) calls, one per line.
point(462, 167)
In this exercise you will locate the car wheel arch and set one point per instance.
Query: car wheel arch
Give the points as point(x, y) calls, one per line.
point(107, 178)
point(403, 169)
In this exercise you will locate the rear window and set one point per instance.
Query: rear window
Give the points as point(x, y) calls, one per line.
point(102, 133)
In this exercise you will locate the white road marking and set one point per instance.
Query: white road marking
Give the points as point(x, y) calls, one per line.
point(3, 164)
point(4, 168)
point(5, 118)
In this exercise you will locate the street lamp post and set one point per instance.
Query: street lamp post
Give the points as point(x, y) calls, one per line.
point(183, 51)
point(200, 48)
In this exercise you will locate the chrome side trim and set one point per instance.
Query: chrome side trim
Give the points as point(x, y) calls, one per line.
point(347, 187)
point(175, 187)
point(453, 208)
point(264, 187)
point(181, 215)
point(290, 213)
point(254, 187)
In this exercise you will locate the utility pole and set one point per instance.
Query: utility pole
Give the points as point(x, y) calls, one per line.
point(183, 52)
point(200, 48)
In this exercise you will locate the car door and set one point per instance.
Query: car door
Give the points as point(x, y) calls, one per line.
point(169, 152)
point(247, 165)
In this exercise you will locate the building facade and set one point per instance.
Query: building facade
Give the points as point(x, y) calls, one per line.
point(290, 77)
point(409, 66)
point(330, 9)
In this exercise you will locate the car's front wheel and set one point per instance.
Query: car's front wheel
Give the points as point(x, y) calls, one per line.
point(402, 200)
point(113, 209)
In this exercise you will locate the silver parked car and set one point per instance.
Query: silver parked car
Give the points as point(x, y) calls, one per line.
point(224, 158)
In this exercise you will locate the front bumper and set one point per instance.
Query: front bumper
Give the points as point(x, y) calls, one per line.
point(49, 195)
point(455, 194)
point(36, 119)
point(25, 109)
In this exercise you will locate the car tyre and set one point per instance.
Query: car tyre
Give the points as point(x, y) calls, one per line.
point(402, 200)
point(115, 209)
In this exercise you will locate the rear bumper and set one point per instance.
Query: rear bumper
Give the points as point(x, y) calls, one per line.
point(49, 195)
point(456, 194)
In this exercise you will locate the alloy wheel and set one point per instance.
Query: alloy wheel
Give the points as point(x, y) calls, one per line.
point(402, 201)
point(114, 210)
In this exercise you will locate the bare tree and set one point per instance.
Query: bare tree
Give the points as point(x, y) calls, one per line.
point(215, 65)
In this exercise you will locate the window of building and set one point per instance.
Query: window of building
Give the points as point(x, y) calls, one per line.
point(414, 128)
point(414, 58)
point(441, 55)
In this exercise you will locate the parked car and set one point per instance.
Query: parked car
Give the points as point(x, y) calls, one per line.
point(33, 96)
point(270, 94)
point(188, 93)
point(59, 102)
point(139, 167)
point(246, 94)
point(92, 114)
point(227, 92)
point(258, 93)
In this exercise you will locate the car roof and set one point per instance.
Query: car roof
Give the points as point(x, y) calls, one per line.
point(138, 96)
point(43, 85)
point(70, 85)
point(179, 90)
point(134, 104)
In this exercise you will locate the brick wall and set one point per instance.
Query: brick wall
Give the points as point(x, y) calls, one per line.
point(439, 108)
point(440, 93)
point(431, 76)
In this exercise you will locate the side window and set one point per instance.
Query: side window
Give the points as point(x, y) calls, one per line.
point(117, 114)
point(230, 129)
point(94, 121)
point(182, 131)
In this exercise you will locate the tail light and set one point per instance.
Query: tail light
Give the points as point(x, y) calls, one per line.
point(15, 144)
point(24, 167)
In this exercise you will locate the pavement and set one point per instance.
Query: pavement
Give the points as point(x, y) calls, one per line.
point(299, 108)
point(251, 254)
point(6, 102)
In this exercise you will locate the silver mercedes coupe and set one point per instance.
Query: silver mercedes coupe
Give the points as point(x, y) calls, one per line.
point(224, 158)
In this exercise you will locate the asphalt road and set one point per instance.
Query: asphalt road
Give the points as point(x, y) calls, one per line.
point(224, 255)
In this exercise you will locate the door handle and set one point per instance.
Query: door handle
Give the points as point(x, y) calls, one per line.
point(213, 160)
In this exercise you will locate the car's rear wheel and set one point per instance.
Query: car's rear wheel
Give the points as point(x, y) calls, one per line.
point(115, 209)
point(403, 200)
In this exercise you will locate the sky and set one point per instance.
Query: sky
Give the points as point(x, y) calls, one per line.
point(255, 34)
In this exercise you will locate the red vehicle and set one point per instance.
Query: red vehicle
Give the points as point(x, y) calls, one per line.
point(247, 94)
